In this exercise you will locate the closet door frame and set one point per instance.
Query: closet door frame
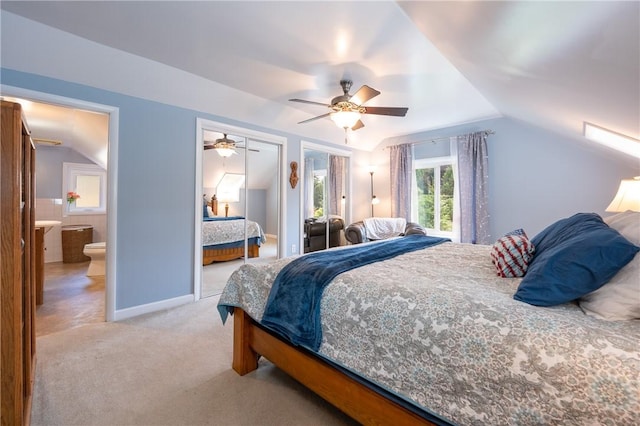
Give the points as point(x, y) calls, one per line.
point(305, 145)
point(203, 124)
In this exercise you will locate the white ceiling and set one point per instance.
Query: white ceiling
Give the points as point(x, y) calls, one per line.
point(552, 64)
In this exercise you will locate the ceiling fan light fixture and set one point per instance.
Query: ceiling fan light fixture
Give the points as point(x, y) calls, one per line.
point(345, 119)
point(224, 146)
point(225, 152)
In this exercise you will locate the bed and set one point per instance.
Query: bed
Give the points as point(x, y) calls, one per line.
point(223, 239)
point(437, 336)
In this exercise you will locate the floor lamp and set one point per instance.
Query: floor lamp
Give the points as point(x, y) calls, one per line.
point(374, 200)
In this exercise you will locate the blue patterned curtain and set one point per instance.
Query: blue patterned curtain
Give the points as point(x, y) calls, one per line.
point(473, 173)
point(401, 165)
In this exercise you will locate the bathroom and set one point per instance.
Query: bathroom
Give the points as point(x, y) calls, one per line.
point(71, 156)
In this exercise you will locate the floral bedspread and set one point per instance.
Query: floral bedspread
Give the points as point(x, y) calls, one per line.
point(439, 328)
point(229, 231)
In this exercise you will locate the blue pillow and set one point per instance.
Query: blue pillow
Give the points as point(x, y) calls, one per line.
point(205, 211)
point(573, 257)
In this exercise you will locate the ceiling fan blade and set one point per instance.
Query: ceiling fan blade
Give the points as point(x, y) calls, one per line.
point(396, 112)
point(208, 147)
point(309, 102)
point(315, 118)
point(359, 125)
point(363, 95)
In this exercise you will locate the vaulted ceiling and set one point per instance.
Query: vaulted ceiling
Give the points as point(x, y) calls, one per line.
point(552, 64)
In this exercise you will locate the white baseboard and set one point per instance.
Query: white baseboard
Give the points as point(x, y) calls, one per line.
point(122, 314)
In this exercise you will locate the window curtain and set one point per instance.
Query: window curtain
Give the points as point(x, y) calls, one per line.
point(401, 165)
point(473, 173)
point(336, 184)
point(308, 190)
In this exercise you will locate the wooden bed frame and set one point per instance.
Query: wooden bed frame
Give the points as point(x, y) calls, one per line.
point(250, 341)
point(210, 255)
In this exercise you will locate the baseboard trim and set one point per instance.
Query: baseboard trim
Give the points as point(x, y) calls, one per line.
point(134, 311)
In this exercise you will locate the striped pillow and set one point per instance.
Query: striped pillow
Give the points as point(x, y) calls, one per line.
point(512, 253)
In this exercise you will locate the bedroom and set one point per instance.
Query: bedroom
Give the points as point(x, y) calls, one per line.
point(578, 176)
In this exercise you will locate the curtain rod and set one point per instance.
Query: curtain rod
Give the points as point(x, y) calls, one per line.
point(441, 138)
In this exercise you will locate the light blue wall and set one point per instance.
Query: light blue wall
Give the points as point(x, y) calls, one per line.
point(156, 181)
point(536, 176)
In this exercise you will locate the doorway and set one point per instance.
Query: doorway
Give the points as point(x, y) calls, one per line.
point(240, 202)
point(110, 141)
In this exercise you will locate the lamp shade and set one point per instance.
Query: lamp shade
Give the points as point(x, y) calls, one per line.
point(628, 196)
point(345, 119)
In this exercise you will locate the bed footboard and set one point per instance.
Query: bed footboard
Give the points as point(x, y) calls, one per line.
point(352, 397)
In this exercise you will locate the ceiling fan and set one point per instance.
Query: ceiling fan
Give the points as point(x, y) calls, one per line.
point(225, 147)
point(347, 109)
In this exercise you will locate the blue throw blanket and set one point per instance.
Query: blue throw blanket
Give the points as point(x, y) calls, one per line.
point(220, 218)
point(293, 307)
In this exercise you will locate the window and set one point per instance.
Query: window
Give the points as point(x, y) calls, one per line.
point(319, 179)
point(89, 182)
point(433, 195)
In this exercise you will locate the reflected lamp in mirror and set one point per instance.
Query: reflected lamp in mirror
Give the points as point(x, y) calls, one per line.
point(627, 197)
point(228, 190)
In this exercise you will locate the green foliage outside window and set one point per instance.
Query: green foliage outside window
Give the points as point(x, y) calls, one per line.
point(318, 196)
point(426, 182)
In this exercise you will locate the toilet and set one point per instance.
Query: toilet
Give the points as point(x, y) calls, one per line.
point(96, 251)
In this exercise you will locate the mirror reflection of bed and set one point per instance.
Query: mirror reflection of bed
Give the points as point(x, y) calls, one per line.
point(241, 196)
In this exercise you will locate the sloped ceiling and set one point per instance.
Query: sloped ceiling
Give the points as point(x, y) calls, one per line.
point(552, 64)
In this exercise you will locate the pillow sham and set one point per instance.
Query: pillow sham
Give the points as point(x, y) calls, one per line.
point(619, 299)
point(573, 257)
point(205, 211)
point(512, 253)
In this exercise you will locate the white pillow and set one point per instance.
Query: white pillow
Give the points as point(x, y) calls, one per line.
point(627, 224)
point(619, 299)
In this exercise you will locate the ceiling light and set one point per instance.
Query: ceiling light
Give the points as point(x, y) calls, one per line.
point(612, 139)
point(224, 146)
point(627, 197)
point(345, 119)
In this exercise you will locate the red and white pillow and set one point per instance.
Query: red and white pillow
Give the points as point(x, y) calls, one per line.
point(512, 254)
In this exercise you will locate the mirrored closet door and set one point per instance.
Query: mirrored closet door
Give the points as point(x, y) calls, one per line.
point(325, 199)
point(241, 205)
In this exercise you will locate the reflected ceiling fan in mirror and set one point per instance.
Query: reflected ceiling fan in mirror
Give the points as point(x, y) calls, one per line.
point(346, 109)
point(225, 147)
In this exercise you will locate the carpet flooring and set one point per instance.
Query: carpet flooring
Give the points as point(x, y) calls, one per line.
point(167, 368)
point(215, 275)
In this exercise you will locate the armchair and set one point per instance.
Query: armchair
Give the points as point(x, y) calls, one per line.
point(356, 232)
point(315, 234)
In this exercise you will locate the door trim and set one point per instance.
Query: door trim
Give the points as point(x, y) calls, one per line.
point(112, 177)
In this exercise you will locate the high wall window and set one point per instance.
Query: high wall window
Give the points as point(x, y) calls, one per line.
point(433, 195)
point(89, 183)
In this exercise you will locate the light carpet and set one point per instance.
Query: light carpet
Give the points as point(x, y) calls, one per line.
point(215, 275)
point(167, 368)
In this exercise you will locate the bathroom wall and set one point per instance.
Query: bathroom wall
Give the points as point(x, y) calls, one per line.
point(51, 209)
point(49, 199)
